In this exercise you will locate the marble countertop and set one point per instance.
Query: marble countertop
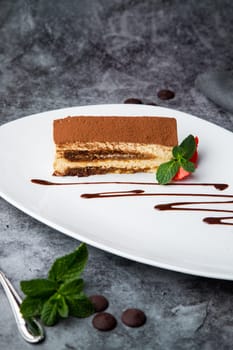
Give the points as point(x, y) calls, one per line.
point(58, 54)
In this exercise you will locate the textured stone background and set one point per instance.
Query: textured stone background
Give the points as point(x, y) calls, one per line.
point(55, 54)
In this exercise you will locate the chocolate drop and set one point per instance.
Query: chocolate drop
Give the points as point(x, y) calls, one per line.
point(133, 101)
point(133, 318)
point(99, 302)
point(166, 94)
point(104, 322)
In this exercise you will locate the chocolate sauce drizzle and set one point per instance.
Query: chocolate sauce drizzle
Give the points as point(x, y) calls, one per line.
point(218, 220)
point(208, 220)
point(142, 193)
point(167, 206)
point(218, 186)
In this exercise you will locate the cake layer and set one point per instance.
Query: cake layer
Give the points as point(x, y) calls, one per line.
point(110, 150)
point(147, 130)
point(99, 145)
point(64, 167)
point(98, 170)
point(109, 157)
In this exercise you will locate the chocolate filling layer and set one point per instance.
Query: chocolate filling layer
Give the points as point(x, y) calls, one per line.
point(87, 171)
point(82, 155)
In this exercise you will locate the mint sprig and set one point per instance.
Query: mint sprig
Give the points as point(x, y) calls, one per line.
point(181, 158)
point(61, 294)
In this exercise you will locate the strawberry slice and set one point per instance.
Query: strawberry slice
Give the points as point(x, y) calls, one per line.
point(181, 173)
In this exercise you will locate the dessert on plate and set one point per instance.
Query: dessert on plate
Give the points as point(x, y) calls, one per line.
point(90, 145)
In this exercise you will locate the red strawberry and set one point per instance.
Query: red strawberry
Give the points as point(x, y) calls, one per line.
point(181, 173)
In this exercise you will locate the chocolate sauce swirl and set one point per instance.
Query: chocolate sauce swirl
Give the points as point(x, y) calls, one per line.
point(113, 194)
point(142, 193)
point(218, 220)
point(167, 206)
point(174, 205)
point(217, 186)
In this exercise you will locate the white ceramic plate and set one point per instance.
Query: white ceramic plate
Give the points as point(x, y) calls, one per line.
point(126, 226)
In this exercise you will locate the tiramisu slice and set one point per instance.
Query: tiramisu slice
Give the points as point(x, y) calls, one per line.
point(89, 145)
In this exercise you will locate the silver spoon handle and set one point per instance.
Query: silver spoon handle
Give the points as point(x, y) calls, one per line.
point(23, 327)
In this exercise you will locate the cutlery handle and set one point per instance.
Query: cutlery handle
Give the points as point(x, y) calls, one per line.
point(30, 330)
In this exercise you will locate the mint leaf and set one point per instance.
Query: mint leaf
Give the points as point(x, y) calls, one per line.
point(38, 287)
point(49, 313)
point(188, 147)
point(69, 266)
point(167, 171)
point(71, 287)
point(32, 306)
point(187, 165)
point(62, 307)
point(80, 306)
point(177, 152)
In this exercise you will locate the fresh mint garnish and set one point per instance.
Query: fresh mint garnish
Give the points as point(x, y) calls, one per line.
point(188, 147)
point(80, 306)
point(71, 287)
point(38, 287)
point(61, 294)
point(167, 171)
point(69, 266)
point(49, 313)
point(181, 158)
point(187, 165)
point(32, 306)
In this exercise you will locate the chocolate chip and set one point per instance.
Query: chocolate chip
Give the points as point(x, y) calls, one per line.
point(133, 318)
point(104, 322)
point(133, 101)
point(99, 301)
point(166, 94)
